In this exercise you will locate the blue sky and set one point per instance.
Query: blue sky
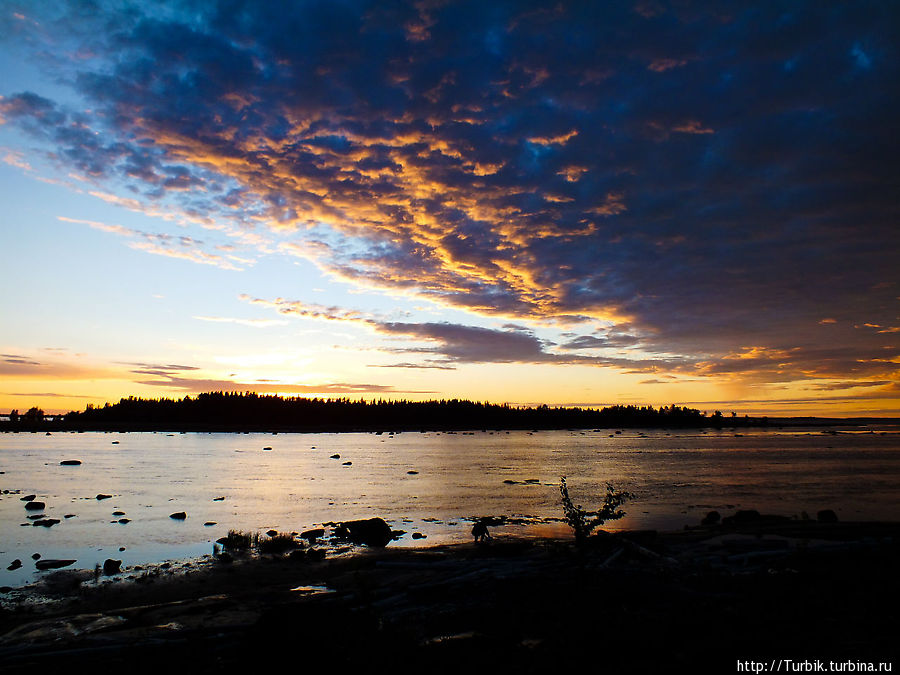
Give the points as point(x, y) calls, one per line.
point(579, 204)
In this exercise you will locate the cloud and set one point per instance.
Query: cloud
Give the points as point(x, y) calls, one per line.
point(254, 323)
point(198, 385)
point(444, 344)
point(712, 178)
point(181, 247)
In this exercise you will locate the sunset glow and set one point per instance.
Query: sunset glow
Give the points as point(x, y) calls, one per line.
point(584, 204)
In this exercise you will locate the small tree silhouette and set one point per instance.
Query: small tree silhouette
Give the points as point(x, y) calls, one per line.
point(584, 522)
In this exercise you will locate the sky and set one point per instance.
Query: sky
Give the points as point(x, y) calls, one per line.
point(626, 202)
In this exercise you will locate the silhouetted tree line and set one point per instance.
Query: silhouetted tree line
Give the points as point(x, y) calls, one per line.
point(216, 411)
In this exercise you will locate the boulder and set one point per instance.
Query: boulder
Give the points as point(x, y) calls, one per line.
point(335, 457)
point(35, 506)
point(711, 518)
point(826, 516)
point(111, 567)
point(370, 532)
point(70, 462)
point(28, 498)
point(178, 515)
point(14, 565)
point(418, 535)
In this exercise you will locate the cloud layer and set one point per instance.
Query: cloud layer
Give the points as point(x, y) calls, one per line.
point(715, 185)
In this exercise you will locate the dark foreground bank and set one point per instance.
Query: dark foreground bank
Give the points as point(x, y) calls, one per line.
point(697, 601)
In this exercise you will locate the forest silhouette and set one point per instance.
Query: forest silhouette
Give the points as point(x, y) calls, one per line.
point(249, 411)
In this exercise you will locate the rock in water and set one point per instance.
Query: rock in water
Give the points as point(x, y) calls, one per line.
point(46, 522)
point(53, 564)
point(103, 496)
point(28, 498)
point(35, 506)
point(111, 567)
point(312, 535)
point(70, 462)
point(180, 515)
point(14, 565)
point(371, 532)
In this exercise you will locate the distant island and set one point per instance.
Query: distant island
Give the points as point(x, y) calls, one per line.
point(248, 411)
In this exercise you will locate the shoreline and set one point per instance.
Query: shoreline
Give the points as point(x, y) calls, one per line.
point(726, 424)
point(783, 590)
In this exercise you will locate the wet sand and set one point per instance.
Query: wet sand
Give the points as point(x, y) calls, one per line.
point(692, 601)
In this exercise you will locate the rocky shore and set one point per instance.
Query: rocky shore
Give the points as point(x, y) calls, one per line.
point(695, 601)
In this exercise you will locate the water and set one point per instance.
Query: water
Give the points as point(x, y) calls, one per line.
point(677, 477)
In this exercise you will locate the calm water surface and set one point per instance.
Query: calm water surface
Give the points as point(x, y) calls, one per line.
point(296, 485)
